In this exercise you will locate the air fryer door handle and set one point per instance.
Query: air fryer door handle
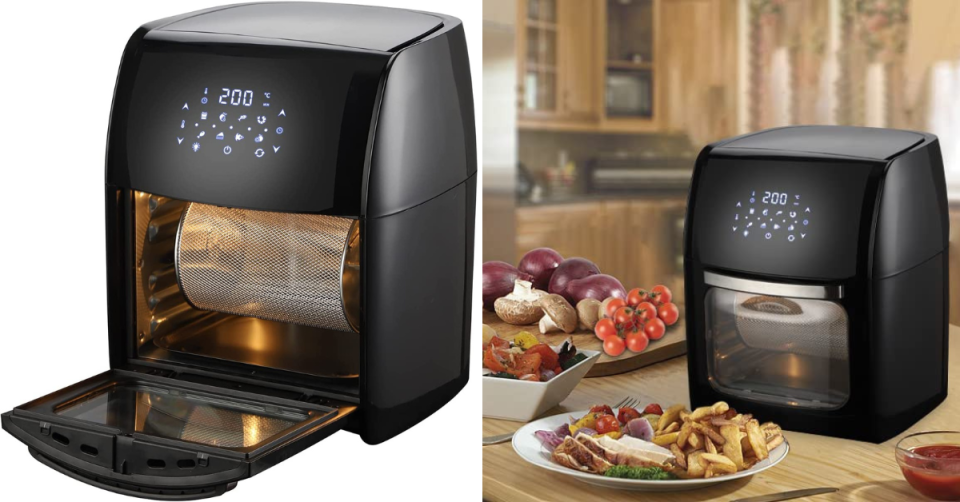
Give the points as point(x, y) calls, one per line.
point(819, 292)
point(129, 490)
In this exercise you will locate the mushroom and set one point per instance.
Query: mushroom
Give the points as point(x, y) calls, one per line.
point(588, 310)
point(559, 315)
point(522, 306)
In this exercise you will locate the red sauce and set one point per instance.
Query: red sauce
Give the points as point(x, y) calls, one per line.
point(937, 475)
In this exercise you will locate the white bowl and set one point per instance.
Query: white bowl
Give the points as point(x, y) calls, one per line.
point(522, 400)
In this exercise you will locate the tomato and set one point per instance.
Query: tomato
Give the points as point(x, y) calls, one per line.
point(500, 343)
point(636, 296)
point(605, 329)
point(612, 306)
point(607, 423)
point(669, 313)
point(602, 409)
point(549, 358)
point(491, 362)
point(623, 316)
point(653, 408)
point(646, 311)
point(637, 341)
point(626, 414)
point(654, 329)
point(527, 364)
point(614, 346)
point(661, 294)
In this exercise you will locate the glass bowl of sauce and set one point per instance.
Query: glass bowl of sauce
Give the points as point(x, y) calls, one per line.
point(930, 462)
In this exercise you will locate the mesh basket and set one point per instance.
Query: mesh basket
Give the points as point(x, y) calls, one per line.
point(809, 327)
point(295, 268)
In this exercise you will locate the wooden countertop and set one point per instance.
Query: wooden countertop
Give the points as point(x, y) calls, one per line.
point(862, 471)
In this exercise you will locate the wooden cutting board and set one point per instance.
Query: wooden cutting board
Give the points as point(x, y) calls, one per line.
point(673, 344)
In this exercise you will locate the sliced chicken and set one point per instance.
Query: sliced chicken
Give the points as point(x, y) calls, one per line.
point(627, 451)
point(650, 451)
point(573, 454)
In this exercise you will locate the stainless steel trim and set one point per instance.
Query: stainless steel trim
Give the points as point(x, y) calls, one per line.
point(773, 288)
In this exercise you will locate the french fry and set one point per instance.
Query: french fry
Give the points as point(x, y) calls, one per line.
point(758, 442)
point(669, 416)
point(709, 472)
point(695, 440)
point(684, 415)
point(674, 427)
point(719, 462)
point(774, 442)
point(665, 440)
point(685, 431)
point(748, 463)
point(707, 430)
point(708, 445)
point(701, 413)
point(731, 448)
point(695, 467)
point(680, 456)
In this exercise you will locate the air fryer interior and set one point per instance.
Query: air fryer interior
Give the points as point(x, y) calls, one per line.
point(270, 330)
point(791, 351)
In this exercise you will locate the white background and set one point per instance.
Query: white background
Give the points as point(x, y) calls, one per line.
point(57, 72)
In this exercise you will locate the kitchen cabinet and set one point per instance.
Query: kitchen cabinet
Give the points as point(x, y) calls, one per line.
point(955, 265)
point(697, 72)
point(556, 44)
point(638, 241)
point(628, 66)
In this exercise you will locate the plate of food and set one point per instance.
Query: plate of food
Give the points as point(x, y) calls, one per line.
point(653, 449)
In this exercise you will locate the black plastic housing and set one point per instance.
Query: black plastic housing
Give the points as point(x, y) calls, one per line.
point(392, 144)
point(887, 250)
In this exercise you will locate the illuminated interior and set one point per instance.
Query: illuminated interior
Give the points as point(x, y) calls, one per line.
point(788, 351)
point(170, 329)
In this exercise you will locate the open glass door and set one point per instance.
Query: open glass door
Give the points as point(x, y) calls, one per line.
point(147, 435)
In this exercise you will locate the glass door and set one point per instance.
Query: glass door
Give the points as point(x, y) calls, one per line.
point(781, 349)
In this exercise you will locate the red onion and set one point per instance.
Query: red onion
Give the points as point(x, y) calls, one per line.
point(569, 270)
point(599, 287)
point(640, 428)
point(498, 279)
point(540, 263)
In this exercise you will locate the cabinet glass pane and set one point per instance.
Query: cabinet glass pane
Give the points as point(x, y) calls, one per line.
point(630, 31)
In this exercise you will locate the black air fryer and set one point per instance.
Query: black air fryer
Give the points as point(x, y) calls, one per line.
point(290, 198)
point(816, 278)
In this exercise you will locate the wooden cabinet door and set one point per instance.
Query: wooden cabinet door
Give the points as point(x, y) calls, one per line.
point(571, 229)
point(697, 68)
point(578, 65)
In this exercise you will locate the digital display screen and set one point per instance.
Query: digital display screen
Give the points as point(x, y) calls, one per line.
point(772, 214)
point(786, 218)
point(249, 127)
point(232, 121)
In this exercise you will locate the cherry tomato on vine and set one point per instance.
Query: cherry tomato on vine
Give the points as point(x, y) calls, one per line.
point(637, 341)
point(654, 329)
point(605, 329)
point(669, 313)
point(637, 296)
point(614, 346)
point(653, 408)
point(612, 306)
point(646, 311)
point(623, 316)
point(662, 294)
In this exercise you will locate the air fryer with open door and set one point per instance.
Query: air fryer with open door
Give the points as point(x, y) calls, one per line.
point(816, 278)
point(290, 197)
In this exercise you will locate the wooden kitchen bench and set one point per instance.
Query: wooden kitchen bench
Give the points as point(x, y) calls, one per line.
point(862, 471)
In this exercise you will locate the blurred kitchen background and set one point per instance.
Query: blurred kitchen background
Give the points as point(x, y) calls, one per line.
point(594, 110)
